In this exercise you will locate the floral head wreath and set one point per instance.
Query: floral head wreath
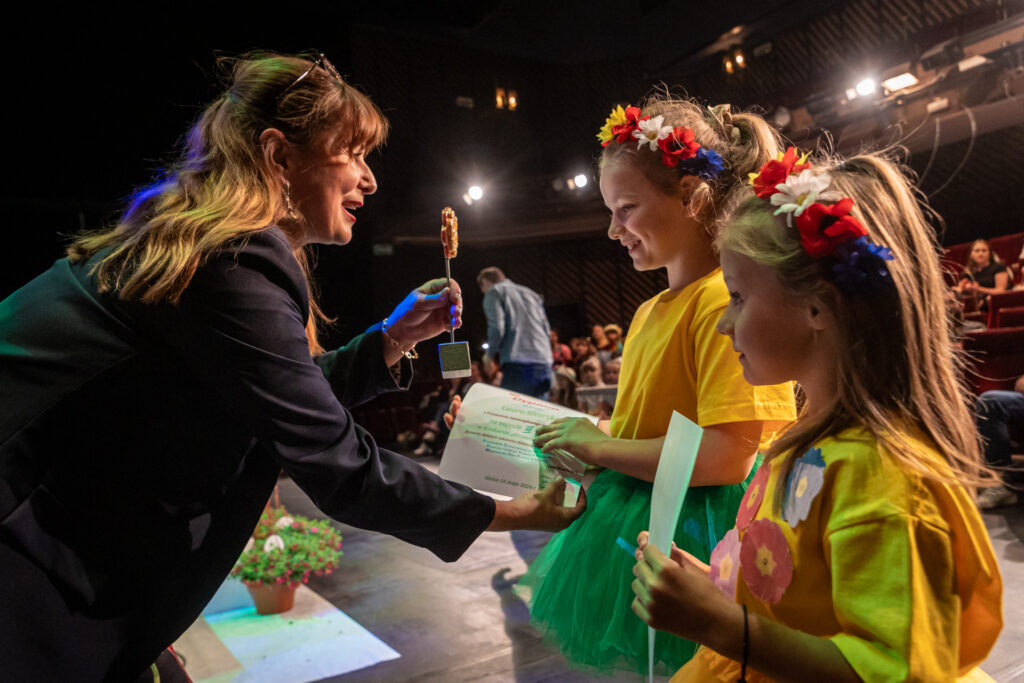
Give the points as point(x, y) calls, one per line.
point(826, 230)
point(677, 145)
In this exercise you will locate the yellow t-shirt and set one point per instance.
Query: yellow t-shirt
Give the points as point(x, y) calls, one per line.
point(674, 359)
point(896, 569)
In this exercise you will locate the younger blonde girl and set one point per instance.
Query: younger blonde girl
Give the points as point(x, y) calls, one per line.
point(858, 553)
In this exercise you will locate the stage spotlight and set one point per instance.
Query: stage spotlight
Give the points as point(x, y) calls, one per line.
point(580, 180)
point(740, 59)
point(728, 65)
point(485, 346)
point(866, 87)
point(513, 100)
point(499, 98)
point(476, 192)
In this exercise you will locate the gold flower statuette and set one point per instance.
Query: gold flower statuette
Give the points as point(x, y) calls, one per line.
point(449, 232)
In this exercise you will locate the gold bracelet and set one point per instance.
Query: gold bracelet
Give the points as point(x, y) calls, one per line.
point(410, 354)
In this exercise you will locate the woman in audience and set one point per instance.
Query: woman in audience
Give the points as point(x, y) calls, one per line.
point(984, 274)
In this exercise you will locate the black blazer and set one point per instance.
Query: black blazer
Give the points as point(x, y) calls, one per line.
point(139, 444)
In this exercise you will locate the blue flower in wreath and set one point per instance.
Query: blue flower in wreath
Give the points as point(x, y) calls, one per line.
point(860, 266)
point(706, 163)
point(805, 481)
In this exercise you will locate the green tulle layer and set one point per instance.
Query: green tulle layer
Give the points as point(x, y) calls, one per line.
point(579, 587)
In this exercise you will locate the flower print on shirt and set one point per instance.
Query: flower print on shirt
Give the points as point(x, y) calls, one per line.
point(725, 563)
point(751, 502)
point(805, 482)
point(765, 560)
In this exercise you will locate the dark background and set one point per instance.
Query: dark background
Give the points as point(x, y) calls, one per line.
point(95, 104)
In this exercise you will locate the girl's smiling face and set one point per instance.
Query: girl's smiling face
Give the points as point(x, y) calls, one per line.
point(650, 224)
point(774, 332)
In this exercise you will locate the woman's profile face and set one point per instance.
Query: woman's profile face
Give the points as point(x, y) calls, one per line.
point(980, 254)
point(328, 185)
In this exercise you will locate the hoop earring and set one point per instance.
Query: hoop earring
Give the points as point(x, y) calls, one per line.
point(286, 191)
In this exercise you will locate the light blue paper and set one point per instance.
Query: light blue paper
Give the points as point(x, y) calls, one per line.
point(671, 482)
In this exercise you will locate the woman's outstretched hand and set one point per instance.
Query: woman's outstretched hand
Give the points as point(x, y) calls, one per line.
point(576, 435)
point(540, 510)
point(426, 312)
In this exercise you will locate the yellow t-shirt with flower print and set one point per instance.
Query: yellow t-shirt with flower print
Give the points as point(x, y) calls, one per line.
point(896, 569)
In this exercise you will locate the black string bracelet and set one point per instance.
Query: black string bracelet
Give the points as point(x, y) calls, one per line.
point(746, 647)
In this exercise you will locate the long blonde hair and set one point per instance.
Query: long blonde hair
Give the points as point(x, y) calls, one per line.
point(744, 140)
point(221, 190)
point(898, 370)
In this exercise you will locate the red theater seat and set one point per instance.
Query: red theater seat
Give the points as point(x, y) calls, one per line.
point(1004, 300)
point(1012, 316)
point(997, 357)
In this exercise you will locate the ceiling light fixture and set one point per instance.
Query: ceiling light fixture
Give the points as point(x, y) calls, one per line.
point(866, 87)
point(904, 80)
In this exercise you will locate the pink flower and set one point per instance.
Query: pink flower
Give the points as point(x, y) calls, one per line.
point(314, 529)
point(765, 559)
point(725, 563)
point(751, 502)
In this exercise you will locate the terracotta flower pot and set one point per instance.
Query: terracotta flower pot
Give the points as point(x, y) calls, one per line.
point(272, 598)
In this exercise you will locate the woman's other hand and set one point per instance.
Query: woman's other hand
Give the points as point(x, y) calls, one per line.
point(426, 312)
point(540, 510)
point(576, 435)
point(453, 411)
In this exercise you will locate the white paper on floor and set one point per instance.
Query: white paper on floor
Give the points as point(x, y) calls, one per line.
point(311, 641)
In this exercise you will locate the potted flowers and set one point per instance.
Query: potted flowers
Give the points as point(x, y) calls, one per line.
point(284, 551)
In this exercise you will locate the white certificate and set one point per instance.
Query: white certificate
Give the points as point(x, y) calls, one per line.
point(491, 448)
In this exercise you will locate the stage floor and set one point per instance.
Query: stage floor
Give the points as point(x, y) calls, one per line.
point(461, 622)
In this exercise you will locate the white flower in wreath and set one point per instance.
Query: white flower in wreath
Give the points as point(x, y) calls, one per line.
point(274, 542)
point(284, 522)
point(650, 131)
point(800, 191)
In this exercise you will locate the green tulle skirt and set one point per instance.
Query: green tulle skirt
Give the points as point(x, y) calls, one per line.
point(579, 587)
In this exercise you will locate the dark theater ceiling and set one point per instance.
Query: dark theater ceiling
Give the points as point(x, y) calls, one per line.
point(96, 101)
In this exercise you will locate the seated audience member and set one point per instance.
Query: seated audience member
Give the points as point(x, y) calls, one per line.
point(598, 337)
point(613, 333)
point(591, 377)
point(610, 371)
point(561, 353)
point(435, 431)
point(998, 412)
point(491, 371)
point(590, 373)
point(582, 349)
point(563, 391)
point(984, 274)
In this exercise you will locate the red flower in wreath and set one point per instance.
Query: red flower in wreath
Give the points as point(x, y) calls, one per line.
point(678, 146)
point(751, 502)
point(823, 228)
point(775, 172)
point(765, 560)
point(623, 131)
